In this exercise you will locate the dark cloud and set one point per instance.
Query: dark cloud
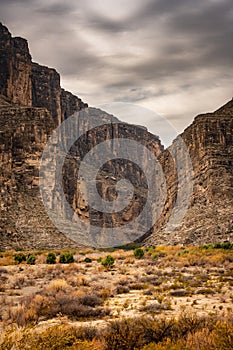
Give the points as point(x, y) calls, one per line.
point(56, 9)
point(161, 52)
point(104, 24)
point(13, 2)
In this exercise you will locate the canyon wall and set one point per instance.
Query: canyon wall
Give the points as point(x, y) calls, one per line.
point(15, 68)
point(33, 104)
point(209, 218)
point(25, 129)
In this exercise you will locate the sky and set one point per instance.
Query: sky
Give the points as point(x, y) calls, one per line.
point(173, 58)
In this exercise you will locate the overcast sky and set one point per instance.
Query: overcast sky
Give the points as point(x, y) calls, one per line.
point(174, 57)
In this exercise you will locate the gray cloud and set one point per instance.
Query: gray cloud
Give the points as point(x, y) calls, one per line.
point(161, 53)
point(56, 9)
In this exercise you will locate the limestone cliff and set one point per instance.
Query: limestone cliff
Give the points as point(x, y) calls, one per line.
point(15, 68)
point(24, 222)
point(33, 104)
point(29, 84)
point(209, 218)
point(47, 93)
point(25, 128)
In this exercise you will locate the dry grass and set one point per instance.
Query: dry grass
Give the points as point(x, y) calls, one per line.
point(165, 282)
point(187, 332)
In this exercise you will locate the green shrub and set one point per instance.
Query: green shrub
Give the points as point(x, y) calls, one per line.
point(87, 260)
point(138, 253)
point(66, 258)
point(31, 259)
point(51, 258)
point(108, 262)
point(206, 246)
point(20, 258)
point(225, 245)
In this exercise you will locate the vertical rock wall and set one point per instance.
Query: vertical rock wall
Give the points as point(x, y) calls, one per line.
point(15, 68)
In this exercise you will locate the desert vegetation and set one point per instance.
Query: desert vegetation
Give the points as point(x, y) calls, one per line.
point(144, 298)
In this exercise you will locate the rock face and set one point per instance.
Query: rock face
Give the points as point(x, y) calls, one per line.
point(25, 129)
point(46, 90)
point(33, 104)
point(47, 93)
point(209, 218)
point(111, 132)
point(15, 68)
point(24, 222)
point(70, 104)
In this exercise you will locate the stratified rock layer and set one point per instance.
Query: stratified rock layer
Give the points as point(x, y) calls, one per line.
point(24, 133)
point(33, 104)
point(24, 223)
point(209, 218)
point(15, 68)
point(47, 93)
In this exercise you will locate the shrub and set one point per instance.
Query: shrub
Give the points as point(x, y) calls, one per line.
point(206, 246)
point(225, 245)
point(122, 289)
point(87, 260)
point(123, 335)
point(90, 300)
point(108, 262)
point(76, 307)
point(54, 338)
point(51, 258)
point(138, 253)
point(31, 259)
point(18, 258)
point(138, 286)
point(58, 285)
point(66, 258)
point(155, 308)
point(51, 304)
point(224, 335)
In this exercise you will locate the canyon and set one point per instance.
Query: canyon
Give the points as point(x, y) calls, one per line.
point(33, 104)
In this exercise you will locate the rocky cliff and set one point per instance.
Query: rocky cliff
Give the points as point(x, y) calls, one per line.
point(24, 223)
point(33, 104)
point(25, 129)
point(47, 93)
point(15, 68)
point(209, 218)
point(29, 84)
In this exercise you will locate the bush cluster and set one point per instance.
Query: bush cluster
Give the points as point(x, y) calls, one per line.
point(19, 258)
point(108, 262)
point(188, 332)
point(138, 253)
point(51, 258)
point(30, 259)
point(55, 300)
point(66, 258)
